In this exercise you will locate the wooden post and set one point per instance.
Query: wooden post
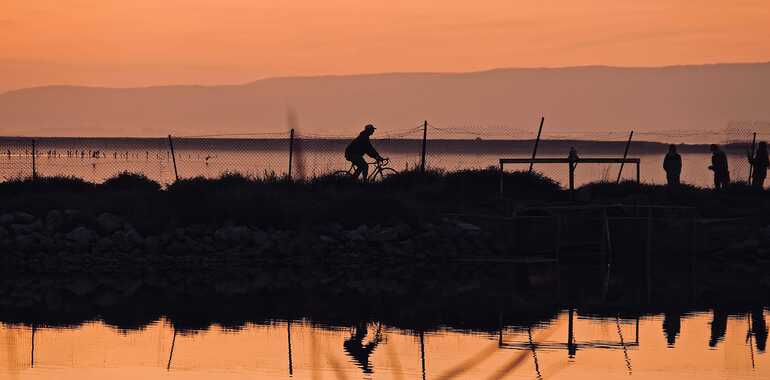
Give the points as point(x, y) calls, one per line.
point(625, 155)
point(572, 179)
point(424, 146)
point(751, 156)
point(638, 176)
point(291, 150)
point(173, 156)
point(34, 160)
point(537, 142)
point(501, 177)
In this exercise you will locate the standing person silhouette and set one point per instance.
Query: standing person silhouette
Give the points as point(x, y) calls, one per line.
point(672, 164)
point(759, 164)
point(358, 147)
point(719, 167)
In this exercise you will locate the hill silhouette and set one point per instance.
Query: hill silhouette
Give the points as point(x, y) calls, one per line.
point(573, 99)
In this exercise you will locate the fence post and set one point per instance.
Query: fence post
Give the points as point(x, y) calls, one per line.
point(625, 155)
point(34, 160)
point(173, 156)
point(291, 150)
point(537, 142)
point(753, 150)
point(424, 141)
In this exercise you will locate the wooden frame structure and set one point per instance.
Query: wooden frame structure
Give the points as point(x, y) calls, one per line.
point(572, 165)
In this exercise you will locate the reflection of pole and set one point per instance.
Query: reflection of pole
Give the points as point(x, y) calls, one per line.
point(636, 339)
point(288, 333)
point(749, 336)
point(571, 348)
point(422, 353)
point(537, 142)
point(623, 344)
point(32, 354)
point(534, 353)
point(171, 352)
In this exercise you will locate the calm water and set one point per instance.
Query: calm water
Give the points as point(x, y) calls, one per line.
point(99, 159)
point(708, 345)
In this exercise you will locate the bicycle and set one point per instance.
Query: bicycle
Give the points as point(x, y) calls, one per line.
point(380, 171)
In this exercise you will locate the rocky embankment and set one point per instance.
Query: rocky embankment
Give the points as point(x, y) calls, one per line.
point(67, 251)
point(66, 234)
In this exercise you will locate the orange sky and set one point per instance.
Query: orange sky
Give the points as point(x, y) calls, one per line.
point(150, 42)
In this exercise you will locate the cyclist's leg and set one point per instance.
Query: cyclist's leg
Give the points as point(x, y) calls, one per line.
point(361, 167)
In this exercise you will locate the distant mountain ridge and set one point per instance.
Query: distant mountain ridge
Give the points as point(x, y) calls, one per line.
point(495, 102)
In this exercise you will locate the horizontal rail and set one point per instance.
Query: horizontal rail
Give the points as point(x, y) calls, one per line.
point(559, 160)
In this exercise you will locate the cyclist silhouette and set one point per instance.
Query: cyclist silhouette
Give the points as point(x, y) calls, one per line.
point(360, 146)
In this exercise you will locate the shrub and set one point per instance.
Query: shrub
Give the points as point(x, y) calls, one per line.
point(131, 181)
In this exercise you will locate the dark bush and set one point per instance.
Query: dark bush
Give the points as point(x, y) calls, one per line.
point(131, 181)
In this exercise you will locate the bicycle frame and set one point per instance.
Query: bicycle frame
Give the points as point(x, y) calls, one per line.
point(378, 167)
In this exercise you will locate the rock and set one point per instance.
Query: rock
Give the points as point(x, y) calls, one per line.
point(54, 221)
point(359, 234)
point(108, 223)
point(399, 232)
point(467, 227)
point(259, 236)
point(6, 219)
point(25, 229)
point(82, 237)
point(81, 286)
point(153, 244)
point(26, 243)
point(133, 238)
point(104, 245)
point(23, 218)
point(235, 235)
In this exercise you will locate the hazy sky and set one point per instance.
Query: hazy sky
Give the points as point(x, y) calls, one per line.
point(150, 42)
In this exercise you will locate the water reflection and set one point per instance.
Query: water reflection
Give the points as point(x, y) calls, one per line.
point(715, 344)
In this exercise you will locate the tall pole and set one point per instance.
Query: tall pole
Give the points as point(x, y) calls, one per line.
point(424, 144)
point(625, 154)
point(291, 150)
point(34, 158)
point(753, 149)
point(537, 142)
point(173, 156)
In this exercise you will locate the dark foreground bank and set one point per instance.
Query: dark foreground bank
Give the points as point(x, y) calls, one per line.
point(342, 246)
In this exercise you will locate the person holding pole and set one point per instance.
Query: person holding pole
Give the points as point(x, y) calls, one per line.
point(672, 164)
point(759, 164)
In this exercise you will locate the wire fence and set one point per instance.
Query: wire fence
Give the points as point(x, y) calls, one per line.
point(307, 155)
